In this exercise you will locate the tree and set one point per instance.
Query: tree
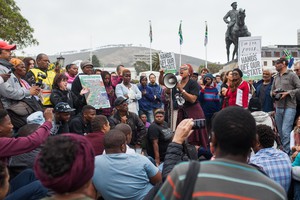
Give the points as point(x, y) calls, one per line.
point(96, 61)
point(155, 62)
point(212, 67)
point(14, 28)
point(141, 66)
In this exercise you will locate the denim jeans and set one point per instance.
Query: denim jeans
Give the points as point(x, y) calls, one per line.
point(26, 187)
point(284, 121)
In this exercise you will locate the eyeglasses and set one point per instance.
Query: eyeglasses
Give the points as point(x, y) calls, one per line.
point(183, 68)
point(295, 70)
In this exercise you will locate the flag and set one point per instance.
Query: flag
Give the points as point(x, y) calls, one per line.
point(180, 34)
point(206, 35)
point(150, 33)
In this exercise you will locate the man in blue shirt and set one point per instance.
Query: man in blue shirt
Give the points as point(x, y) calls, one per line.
point(274, 162)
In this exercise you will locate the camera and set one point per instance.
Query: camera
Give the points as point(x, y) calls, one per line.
point(11, 70)
point(277, 93)
point(198, 124)
point(40, 78)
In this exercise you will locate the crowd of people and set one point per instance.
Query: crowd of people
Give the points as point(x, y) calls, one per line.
point(55, 146)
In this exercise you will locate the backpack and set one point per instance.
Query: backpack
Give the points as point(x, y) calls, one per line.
point(19, 111)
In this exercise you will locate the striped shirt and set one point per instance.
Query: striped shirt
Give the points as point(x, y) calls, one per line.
point(224, 179)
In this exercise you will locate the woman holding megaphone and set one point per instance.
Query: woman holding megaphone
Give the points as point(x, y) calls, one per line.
point(185, 94)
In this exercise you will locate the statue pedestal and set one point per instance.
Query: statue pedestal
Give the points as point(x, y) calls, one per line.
point(229, 66)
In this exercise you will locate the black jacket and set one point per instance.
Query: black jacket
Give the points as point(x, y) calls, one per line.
point(137, 126)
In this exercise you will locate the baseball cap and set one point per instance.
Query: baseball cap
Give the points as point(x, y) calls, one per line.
point(119, 101)
point(63, 107)
point(282, 60)
point(4, 45)
point(86, 63)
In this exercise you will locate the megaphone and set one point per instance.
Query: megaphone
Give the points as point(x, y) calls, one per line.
point(170, 80)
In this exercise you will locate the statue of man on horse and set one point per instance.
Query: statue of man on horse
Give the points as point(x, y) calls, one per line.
point(236, 28)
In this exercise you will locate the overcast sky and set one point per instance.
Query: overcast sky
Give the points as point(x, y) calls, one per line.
point(64, 25)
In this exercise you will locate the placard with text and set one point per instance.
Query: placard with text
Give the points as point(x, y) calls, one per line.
point(249, 57)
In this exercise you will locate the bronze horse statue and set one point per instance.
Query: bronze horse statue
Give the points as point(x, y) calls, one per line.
point(239, 29)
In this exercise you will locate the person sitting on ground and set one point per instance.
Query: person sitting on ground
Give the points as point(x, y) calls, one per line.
point(116, 169)
point(124, 116)
point(23, 161)
point(14, 146)
point(62, 114)
point(234, 133)
point(60, 93)
point(274, 162)
point(25, 185)
point(100, 126)
point(158, 138)
point(81, 124)
point(125, 128)
point(66, 166)
point(4, 180)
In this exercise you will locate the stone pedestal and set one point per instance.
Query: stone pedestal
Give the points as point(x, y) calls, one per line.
point(229, 66)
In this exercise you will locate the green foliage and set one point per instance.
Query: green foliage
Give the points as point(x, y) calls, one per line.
point(141, 66)
point(155, 62)
point(14, 28)
point(212, 67)
point(96, 61)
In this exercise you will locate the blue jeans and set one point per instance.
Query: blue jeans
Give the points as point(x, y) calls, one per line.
point(284, 121)
point(25, 186)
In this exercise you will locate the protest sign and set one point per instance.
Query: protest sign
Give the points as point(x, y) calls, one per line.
point(167, 62)
point(249, 57)
point(97, 96)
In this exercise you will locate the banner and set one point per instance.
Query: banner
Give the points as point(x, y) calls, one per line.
point(167, 62)
point(97, 96)
point(249, 57)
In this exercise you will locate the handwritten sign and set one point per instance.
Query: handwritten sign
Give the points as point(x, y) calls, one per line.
point(249, 57)
point(167, 62)
point(97, 97)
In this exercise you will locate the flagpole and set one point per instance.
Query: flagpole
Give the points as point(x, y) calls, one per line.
point(180, 56)
point(150, 34)
point(205, 42)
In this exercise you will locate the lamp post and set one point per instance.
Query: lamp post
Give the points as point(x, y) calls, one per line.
point(60, 62)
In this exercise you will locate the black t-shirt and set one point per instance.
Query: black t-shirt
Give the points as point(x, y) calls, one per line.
point(191, 87)
point(156, 131)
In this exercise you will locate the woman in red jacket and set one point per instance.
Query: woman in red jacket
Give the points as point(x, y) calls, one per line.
point(238, 92)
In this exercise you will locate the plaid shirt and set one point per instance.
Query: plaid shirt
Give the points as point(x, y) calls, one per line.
point(276, 164)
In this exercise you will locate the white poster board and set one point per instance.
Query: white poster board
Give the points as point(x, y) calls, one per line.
point(249, 57)
point(167, 62)
point(97, 95)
